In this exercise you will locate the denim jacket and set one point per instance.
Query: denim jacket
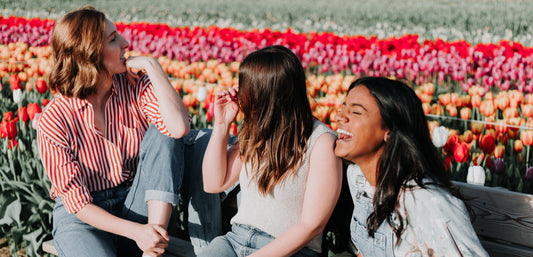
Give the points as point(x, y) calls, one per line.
point(438, 223)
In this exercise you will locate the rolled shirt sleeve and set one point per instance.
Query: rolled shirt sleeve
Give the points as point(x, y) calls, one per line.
point(150, 106)
point(62, 168)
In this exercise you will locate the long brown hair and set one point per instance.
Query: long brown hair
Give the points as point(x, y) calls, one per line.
point(77, 42)
point(409, 154)
point(277, 115)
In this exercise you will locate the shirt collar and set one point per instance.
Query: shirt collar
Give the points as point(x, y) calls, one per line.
point(80, 104)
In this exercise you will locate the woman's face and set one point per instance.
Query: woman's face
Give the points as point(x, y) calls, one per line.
point(361, 136)
point(114, 49)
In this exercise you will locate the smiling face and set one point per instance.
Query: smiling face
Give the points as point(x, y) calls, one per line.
point(113, 49)
point(361, 136)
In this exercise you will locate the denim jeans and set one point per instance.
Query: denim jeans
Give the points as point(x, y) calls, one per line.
point(244, 240)
point(204, 209)
point(159, 177)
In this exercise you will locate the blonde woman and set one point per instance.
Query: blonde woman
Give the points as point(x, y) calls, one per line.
point(114, 176)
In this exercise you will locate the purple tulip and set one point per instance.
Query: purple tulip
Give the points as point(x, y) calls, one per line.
point(498, 165)
point(529, 174)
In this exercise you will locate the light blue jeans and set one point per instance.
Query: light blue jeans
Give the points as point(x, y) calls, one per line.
point(244, 240)
point(204, 209)
point(159, 177)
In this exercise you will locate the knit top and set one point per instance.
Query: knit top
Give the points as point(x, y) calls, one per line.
point(276, 212)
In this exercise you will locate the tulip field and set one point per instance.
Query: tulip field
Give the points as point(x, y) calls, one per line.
point(477, 91)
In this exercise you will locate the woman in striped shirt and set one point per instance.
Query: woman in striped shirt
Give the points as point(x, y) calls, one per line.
point(114, 176)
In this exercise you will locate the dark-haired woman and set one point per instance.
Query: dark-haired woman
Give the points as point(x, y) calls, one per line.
point(404, 204)
point(289, 176)
point(114, 194)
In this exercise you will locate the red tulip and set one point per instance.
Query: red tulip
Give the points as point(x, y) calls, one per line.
point(14, 79)
point(46, 101)
point(33, 108)
point(41, 85)
point(8, 129)
point(487, 143)
point(8, 116)
point(233, 128)
point(23, 114)
point(460, 152)
point(13, 144)
point(450, 145)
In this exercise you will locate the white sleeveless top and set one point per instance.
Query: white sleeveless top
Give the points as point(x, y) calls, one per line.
point(282, 208)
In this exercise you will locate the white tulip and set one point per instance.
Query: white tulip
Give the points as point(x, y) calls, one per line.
point(476, 175)
point(17, 96)
point(201, 94)
point(440, 136)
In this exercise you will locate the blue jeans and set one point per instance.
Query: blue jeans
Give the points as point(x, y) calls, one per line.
point(204, 209)
point(159, 177)
point(244, 240)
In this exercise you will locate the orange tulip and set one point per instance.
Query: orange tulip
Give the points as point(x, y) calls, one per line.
point(426, 107)
point(518, 146)
point(510, 113)
point(502, 127)
point(476, 101)
point(515, 95)
point(428, 88)
point(527, 137)
point(466, 101)
point(444, 99)
point(437, 109)
point(527, 110)
point(455, 100)
point(490, 119)
point(476, 128)
point(465, 113)
point(502, 101)
point(499, 151)
point(451, 109)
point(467, 137)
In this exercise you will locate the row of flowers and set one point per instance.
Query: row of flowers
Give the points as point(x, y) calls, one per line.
point(504, 65)
point(498, 144)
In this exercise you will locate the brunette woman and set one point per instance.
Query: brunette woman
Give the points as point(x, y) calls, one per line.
point(289, 176)
point(404, 203)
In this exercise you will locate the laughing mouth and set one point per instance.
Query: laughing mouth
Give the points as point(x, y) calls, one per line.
point(343, 134)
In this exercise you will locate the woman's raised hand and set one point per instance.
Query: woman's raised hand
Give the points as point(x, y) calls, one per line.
point(136, 66)
point(226, 106)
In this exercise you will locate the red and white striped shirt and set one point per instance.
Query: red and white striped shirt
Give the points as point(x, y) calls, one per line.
point(80, 159)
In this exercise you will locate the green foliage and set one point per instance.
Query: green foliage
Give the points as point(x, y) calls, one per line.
point(25, 208)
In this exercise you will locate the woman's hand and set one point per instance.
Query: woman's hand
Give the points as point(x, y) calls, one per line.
point(151, 239)
point(136, 67)
point(226, 106)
